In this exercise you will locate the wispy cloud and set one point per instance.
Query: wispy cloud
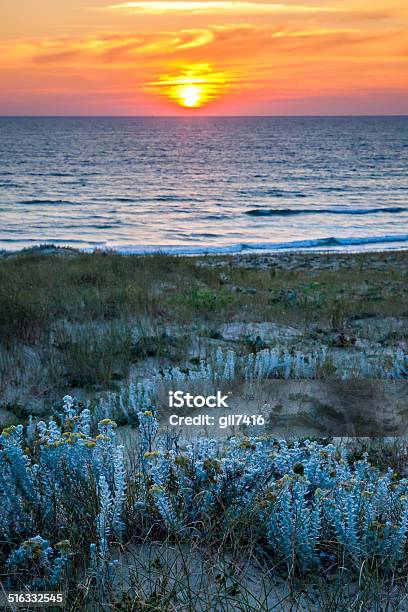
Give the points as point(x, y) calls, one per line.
point(230, 43)
point(216, 7)
point(224, 42)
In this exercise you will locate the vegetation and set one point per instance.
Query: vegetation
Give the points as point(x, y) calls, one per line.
point(162, 523)
point(81, 515)
point(78, 322)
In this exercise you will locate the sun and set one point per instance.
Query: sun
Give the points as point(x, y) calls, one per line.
point(190, 96)
point(195, 85)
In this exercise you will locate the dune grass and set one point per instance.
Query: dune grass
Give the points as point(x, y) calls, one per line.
point(87, 319)
point(39, 289)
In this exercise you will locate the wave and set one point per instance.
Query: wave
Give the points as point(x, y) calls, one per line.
point(285, 212)
point(130, 200)
point(37, 201)
point(147, 200)
point(272, 193)
point(9, 184)
point(318, 243)
point(216, 216)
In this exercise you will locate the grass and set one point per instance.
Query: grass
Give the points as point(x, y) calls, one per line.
point(37, 289)
point(95, 355)
point(87, 319)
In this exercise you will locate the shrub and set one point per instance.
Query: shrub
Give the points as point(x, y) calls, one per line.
point(69, 496)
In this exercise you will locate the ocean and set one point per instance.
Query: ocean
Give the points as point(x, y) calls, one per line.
point(194, 185)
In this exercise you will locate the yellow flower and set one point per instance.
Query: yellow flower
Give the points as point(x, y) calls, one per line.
point(148, 413)
point(151, 454)
point(7, 431)
point(105, 422)
point(247, 445)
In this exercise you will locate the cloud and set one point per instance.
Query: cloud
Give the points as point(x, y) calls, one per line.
point(109, 48)
point(241, 7)
point(231, 42)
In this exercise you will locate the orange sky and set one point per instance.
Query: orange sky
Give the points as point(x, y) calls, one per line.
point(148, 57)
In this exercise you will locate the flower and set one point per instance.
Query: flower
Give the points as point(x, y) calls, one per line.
point(151, 454)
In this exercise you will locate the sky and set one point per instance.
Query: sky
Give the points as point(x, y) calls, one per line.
point(203, 57)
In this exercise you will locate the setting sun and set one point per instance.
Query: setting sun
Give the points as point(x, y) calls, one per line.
point(190, 95)
point(193, 86)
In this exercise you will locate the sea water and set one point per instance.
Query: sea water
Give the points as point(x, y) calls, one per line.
point(198, 184)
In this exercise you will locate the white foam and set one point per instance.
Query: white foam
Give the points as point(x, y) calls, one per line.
point(371, 243)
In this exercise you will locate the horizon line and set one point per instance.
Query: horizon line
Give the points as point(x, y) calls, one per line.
point(107, 116)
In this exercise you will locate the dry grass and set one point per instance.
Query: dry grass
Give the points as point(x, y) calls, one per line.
point(76, 321)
